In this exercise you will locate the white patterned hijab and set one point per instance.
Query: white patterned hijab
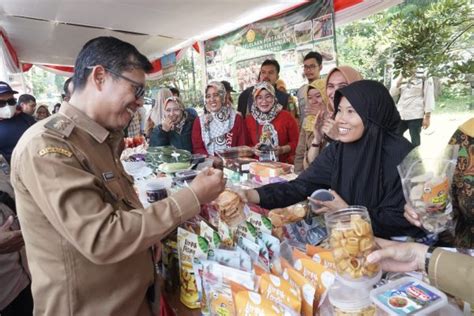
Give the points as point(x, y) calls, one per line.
point(216, 125)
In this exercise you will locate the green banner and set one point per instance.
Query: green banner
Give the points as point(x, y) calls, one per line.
point(236, 56)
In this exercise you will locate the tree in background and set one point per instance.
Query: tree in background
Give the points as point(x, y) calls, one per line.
point(432, 34)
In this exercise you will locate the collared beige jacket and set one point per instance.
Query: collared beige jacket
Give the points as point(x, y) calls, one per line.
point(87, 236)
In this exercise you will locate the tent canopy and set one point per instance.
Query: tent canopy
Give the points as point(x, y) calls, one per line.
point(53, 31)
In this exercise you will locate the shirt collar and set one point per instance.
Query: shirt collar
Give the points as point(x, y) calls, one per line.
point(97, 131)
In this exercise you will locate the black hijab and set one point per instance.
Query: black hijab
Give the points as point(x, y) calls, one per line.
point(365, 171)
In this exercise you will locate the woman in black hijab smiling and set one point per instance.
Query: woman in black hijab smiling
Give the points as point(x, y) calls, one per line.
point(360, 168)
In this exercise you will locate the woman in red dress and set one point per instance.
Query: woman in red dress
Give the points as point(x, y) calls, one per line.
point(270, 126)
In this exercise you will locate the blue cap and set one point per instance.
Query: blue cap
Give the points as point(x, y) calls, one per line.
point(5, 88)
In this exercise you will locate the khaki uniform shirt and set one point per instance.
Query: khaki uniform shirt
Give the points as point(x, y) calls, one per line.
point(453, 273)
point(87, 236)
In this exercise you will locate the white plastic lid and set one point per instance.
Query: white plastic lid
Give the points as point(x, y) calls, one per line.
point(347, 298)
point(433, 299)
point(155, 185)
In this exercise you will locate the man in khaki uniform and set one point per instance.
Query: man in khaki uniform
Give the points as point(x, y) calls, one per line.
point(87, 236)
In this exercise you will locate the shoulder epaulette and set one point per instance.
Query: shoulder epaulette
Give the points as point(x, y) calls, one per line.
point(60, 125)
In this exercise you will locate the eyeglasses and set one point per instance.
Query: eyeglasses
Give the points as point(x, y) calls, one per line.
point(139, 88)
point(310, 67)
point(11, 101)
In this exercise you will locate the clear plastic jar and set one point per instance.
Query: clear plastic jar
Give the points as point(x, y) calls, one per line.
point(347, 302)
point(352, 240)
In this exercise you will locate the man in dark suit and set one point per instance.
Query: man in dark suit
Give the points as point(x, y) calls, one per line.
point(269, 71)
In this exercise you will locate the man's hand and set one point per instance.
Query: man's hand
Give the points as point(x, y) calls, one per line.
point(426, 121)
point(208, 185)
point(399, 257)
point(10, 240)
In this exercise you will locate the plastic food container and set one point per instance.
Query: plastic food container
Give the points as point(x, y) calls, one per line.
point(352, 240)
point(410, 296)
point(347, 302)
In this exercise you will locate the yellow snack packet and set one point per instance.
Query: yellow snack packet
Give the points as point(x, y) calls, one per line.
point(321, 255)
point(320, 276)
point(299, 281)
point(279, 290)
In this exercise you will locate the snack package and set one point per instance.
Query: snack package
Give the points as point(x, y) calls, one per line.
point(210, 234)
point(170, 266)
point(231, 208)
point(228, 258)
point(260, 222)
point(248, 232)
point(311, 230)
point(225, 274)
point(321, 255)
point(245, 260)
point(278, 290)
point(226, 234)
point(218, 297)
point(321, 277)
point(251, 248)
point(270, 169)
point(190, 246)
point(249, 303)
point(210, 213)
point(305, 286)
point(426, 186)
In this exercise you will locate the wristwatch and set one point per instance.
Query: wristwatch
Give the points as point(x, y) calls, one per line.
point(428, 255)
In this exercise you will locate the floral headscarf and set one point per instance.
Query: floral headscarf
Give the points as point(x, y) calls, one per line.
point(215, 125)
point(268, 130)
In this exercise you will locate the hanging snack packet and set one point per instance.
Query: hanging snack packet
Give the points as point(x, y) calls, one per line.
point(210, 234)
point(190, 246)
point(218, 297)
point(297, 280)
point(231, 208)
point(245, 260)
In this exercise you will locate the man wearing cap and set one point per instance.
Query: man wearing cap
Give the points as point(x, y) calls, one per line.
point(87, 236)
point(13, 122)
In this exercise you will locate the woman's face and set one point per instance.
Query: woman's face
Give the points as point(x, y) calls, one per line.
point(173, 112)
point(213, 99)
point(315, 100)
point(41, 113)
point(265, 101)
point(335, 81)
point(349, 123)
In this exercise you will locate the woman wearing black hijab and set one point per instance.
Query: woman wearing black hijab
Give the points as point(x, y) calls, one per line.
point(360, 168)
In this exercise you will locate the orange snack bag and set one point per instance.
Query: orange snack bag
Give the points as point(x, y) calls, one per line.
point(318, 274)
point(299, 281)
point(321, 255)
point(279, 290)
point(248, 303)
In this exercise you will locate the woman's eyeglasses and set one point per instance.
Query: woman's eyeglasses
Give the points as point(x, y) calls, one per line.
point(11, 101)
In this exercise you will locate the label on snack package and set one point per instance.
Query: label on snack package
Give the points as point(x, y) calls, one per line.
point(408, 298)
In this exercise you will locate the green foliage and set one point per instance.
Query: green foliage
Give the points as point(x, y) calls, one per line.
point(436, 35)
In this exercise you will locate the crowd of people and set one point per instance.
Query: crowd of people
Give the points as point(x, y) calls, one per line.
point(86, 233)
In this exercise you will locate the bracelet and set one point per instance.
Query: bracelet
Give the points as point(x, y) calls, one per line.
point(428, 255)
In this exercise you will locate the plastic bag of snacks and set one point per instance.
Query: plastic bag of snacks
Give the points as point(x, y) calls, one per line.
point(299, 281)
point(231, 208)
point(427, 184)
point(190, 247)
